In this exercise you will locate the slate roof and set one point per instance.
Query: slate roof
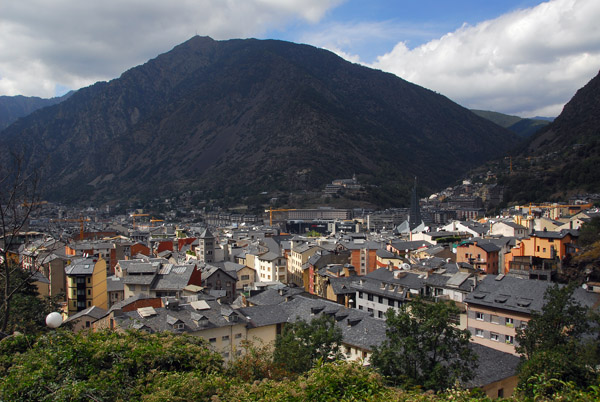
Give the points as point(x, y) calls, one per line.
point(83, 266)
point(554, 235)
point(139, 279)
point(269, 256)
point(513, 225)
point(273, 296)
point(114, 284)
point(39, 277)
point(342, 286)
point(139, 266)
point(383, 282)
point(164, 319)
point(368, 244)
point(209, 270)
point(486, 246)
point(517, 294)
point(493, 365)
point(232, 266)
point(383, 253)
point(94, 312)
point(302, 248)
point(206, 234)
point(176, 279)
point(260, 316)
point(410, 245)
point(365, 332)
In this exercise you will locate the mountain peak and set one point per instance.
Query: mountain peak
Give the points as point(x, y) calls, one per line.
point(243, 116)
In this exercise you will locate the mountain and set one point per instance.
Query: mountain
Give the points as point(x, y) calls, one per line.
point(14, 107)
point(238, 117)
point(523, 127)
point(562, 158)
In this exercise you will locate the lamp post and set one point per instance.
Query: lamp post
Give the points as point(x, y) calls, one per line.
point(54, 320)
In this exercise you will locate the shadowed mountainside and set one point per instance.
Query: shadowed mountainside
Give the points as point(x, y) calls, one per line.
point(243, 116)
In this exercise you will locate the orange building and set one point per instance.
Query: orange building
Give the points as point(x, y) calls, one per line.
point(545, 245)
point(481, 254)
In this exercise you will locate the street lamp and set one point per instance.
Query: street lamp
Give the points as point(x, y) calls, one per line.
point(54, 319)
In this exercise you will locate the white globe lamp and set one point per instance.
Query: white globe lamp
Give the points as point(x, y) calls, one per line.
point(54, 319)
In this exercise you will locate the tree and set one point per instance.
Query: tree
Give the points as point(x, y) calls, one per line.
point(423, 348)
point(301, 344)
point(28, 309)
point(556, 346)
point(589, 232)
point(19, 198)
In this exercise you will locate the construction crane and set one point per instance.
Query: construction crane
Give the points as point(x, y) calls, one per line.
point(28, 204)
point(155, 220)
point(81, 221)
point(271, 210)
point(134, 215)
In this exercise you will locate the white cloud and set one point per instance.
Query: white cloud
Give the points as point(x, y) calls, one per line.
point(362, 38)
point(46, 45)
point(528, 62)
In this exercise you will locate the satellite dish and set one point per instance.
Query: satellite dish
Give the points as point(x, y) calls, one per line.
point(405, 266)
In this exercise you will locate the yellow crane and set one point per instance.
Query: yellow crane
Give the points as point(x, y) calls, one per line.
point(155, 220)
point(271, 210)
point(134, 215)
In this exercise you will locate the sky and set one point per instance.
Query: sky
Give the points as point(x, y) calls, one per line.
point(520, 57)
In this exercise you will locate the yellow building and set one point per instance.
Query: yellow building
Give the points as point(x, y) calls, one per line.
point(86, 284)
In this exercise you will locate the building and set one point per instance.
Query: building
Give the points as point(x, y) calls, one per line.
point(363, 254)
point(546, 245)
point(86, 284)
point(299, 256)
point(205, 251)
point(385, 288)
point(501, 304)
point(482, 254)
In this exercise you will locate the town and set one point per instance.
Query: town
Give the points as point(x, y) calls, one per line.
point(232, 278)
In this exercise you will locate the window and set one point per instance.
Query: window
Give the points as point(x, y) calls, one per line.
point(496, 319)
point(494, 337)
point(245, 277)
point(380, 314)
point(360, 307)
point(510, 339)
point(479, 332)
point(391, 302)
point(225, 338)
point(89, 304)
point(370, 297)
point(238, 336)
point(89, 280)
point(380, 299)
point(87, 324)
point(212, 340)
point(479, 316)
point(360, 295)
point(89, 292)
point(509, 322)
